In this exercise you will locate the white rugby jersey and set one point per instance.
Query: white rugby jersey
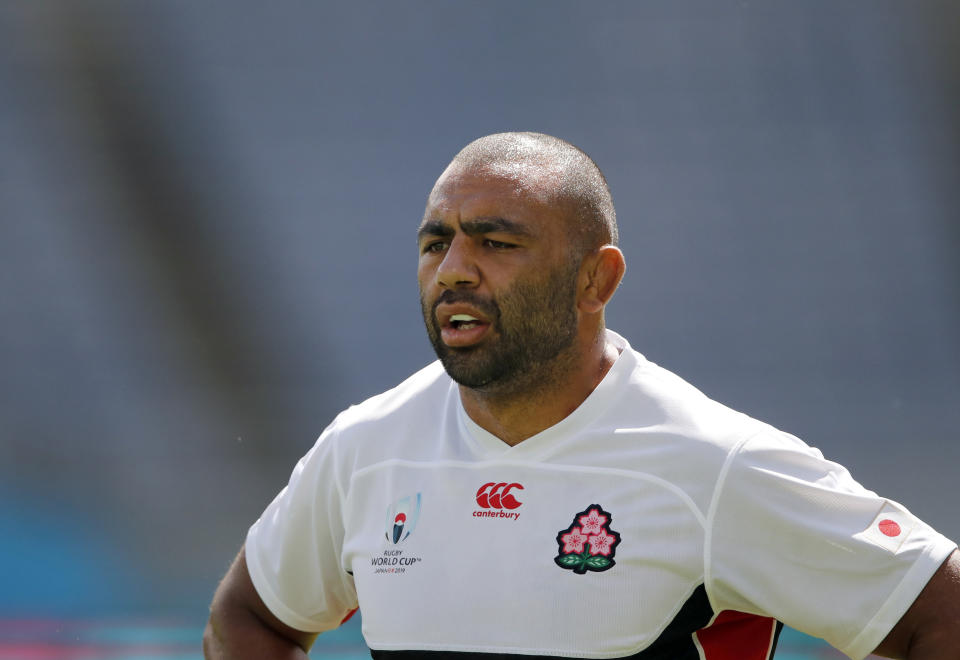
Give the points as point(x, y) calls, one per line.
point(652, 522)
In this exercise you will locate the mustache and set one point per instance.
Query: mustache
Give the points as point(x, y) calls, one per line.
point(486, 305)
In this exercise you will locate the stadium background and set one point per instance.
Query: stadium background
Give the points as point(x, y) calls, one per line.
point(207, 249)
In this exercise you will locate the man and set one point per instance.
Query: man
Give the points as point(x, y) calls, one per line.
point(549, 492)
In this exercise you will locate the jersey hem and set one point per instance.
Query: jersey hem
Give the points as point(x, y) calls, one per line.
point(268, 596)
point(900, 599)
point(544, 652)
point(508, 650)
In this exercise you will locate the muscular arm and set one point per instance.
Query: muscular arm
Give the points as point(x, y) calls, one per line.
point(241, 626)
point(930, 629)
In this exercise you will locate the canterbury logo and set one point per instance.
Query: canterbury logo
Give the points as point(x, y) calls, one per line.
point(495, 495)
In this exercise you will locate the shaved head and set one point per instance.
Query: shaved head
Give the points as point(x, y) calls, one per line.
point(517, 261)
point(554, 168)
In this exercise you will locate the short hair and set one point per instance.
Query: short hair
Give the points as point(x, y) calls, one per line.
point(579, 182)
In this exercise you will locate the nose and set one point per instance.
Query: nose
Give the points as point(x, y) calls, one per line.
point(458, 268)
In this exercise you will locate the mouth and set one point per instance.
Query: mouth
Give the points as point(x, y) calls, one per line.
point(464, 322)
point(461, 328)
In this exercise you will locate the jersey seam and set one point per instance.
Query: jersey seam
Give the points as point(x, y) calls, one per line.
point(711, 515)
point(336, 462)
point(632, 474)
point(345, 575)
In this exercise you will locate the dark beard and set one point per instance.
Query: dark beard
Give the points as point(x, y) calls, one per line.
point(533, 324)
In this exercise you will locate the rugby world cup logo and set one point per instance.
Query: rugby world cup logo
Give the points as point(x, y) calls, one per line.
point(402, 517)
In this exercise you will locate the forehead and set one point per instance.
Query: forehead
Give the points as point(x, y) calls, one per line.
point(519, 191)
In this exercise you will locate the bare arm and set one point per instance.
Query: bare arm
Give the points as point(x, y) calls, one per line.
point(241, 626)
point(930, 629)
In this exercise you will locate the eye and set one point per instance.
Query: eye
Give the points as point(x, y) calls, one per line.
point(498, 245)
point(435, 246)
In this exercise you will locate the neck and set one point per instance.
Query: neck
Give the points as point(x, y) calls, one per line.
point(520, 410)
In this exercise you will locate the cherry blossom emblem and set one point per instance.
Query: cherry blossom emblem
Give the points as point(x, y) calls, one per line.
point(588, 544)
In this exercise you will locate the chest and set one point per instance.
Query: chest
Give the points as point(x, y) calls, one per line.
point(549, 560)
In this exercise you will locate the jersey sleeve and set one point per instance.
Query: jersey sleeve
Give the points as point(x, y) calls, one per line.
point(294, 550)
point(793, 536)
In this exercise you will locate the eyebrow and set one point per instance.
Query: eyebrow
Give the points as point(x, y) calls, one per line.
point(473, 227)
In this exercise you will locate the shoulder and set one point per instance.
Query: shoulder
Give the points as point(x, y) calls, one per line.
point(650, 422)
point(390, 423)
point(719, 439)
point(693, 418)
point(421, 390)
point(662, 404)
point(658, 400)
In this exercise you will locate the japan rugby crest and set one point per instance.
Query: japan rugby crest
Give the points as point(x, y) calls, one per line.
point(588, 544)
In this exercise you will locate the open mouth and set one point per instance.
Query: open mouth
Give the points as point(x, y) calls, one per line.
point(463, 322)
point(461, 329)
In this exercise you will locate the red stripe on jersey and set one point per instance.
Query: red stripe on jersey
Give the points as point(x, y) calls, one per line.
point(349, 614)
point(737, 636)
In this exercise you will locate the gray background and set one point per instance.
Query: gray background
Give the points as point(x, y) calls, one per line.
point(207, 217)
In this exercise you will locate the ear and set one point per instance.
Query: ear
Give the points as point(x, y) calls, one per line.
point(600, 275)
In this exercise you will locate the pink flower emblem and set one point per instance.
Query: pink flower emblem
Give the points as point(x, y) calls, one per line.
point(602, 543)
point(591, 546)
point(573, 540)
point(593, 522)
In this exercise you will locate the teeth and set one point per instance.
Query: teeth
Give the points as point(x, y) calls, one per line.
point(464, 321)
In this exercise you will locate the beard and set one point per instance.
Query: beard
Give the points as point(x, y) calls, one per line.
point(532, 325)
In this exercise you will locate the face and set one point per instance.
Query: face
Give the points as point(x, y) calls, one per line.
point(497, 281)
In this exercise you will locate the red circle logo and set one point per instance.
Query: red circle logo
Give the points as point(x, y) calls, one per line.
point(889, 527)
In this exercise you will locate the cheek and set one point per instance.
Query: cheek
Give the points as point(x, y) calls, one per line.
point(424, 273)
point(427, 285)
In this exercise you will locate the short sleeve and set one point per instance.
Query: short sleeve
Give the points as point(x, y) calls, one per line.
point(793, 536)
point(294, 550)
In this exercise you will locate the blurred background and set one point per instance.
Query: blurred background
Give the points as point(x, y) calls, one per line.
point(207, 249)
